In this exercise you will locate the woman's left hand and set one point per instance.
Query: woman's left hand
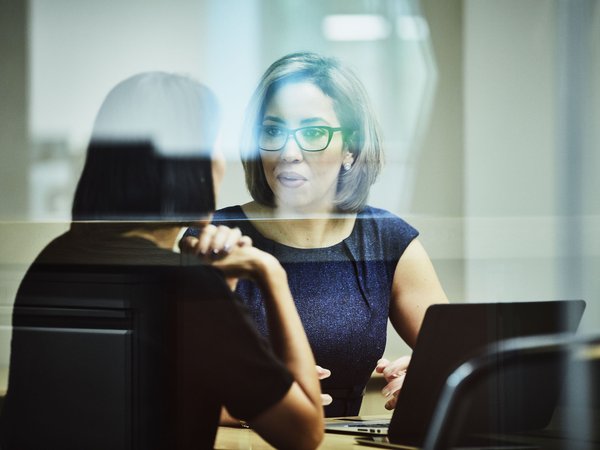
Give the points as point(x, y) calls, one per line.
point(394, 373)
point(214, 241)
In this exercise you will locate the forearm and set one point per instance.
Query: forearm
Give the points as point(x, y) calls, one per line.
point(227, 419)
point(287, 333)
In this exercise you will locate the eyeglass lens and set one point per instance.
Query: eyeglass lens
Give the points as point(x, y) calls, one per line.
point(273, 137)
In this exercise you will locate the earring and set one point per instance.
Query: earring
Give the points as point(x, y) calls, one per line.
point(347, 166)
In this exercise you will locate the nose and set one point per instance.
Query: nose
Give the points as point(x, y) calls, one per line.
point(291, 152)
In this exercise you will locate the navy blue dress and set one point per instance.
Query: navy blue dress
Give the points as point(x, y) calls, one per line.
point(342, 294)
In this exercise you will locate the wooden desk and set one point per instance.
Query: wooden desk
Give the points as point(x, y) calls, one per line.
point(243, 438)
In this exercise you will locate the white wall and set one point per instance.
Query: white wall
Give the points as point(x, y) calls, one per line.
point(520, 236)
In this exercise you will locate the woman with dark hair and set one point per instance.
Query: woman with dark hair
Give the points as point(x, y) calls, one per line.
point(311, 151)
point(150, 170)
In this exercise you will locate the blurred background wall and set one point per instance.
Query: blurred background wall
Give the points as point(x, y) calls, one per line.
point(489, 111)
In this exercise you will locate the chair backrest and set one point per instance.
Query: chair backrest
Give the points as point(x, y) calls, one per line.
point(88, 360)
point(523, 370)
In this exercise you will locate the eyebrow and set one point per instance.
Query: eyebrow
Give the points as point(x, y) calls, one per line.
point(308, 121)
point(273, 119)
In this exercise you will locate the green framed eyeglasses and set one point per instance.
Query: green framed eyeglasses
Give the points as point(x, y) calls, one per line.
point(272, 138)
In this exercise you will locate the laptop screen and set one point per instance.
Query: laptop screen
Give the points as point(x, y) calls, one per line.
point(451, 334)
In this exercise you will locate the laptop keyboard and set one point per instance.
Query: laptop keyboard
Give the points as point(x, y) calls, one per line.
point(369, 425)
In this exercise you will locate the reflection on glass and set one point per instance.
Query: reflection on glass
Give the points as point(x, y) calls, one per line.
point(385, 41)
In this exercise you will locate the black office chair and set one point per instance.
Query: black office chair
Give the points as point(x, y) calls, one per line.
point(530, 379)
point(91, 360)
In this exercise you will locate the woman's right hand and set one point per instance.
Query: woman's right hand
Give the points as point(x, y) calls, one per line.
point(248, 262)
point(394, 373)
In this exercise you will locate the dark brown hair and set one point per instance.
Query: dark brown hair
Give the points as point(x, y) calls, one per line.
point(149, 158)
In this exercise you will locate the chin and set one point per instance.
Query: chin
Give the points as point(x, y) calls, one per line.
point(295, 201)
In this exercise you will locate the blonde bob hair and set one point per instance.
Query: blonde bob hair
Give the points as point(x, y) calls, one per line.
point(354, 112)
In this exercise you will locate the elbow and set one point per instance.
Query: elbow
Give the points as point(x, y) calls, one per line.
point(310, 436)
point(293, 423)
point(306, 435)
point(306, 441)
point(301, 440)
point(315, 439)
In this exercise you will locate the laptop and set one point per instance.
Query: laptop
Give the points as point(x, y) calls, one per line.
point(450, 335)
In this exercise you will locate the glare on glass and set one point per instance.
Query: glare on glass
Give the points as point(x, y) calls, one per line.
point(310, 139)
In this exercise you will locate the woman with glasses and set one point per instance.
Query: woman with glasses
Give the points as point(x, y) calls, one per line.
point(311, 152)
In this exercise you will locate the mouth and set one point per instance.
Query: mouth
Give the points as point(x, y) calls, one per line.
point(291, 179)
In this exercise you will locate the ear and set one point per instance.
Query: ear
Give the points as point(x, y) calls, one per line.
point(348, 161)
point(349, 140)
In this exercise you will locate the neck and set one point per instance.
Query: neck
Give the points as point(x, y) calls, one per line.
point(301, 230)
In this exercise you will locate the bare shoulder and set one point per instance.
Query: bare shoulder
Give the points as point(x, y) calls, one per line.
point(415, 264)
point(415, 251)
